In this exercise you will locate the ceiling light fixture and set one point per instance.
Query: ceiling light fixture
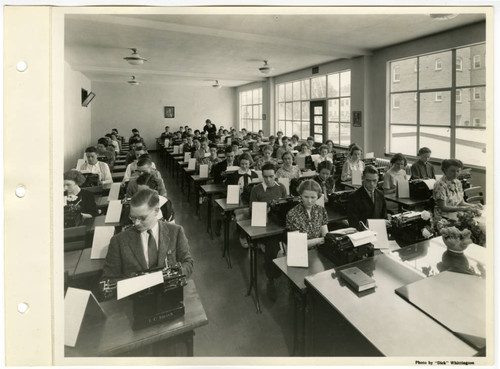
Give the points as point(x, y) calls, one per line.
point(266, 69)
point(216, 84)
point(443, 16)
point(135, 59)
point(133, 82)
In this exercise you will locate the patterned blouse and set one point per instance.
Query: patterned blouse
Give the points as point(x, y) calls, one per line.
point(450, 192)
point(349, 166)
point(293, 172)
point(297, 219)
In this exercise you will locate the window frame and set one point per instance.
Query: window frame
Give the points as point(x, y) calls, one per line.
point(478, 61)
point(253, 121)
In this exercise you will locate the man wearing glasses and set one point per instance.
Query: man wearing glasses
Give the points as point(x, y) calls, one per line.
point(149, 244)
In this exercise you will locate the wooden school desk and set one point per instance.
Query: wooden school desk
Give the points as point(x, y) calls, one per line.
point(115, 337)
point(209, 190)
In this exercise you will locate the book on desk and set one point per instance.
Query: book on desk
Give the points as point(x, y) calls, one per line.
point(358, 280)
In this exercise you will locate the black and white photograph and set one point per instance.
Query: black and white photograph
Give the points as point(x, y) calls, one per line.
point(317, 191)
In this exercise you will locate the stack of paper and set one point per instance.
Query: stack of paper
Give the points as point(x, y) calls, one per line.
point(176, 149)
point(114, 211)
point(187, 156)
point(204, 171)
point(233, 195)
point(362, 238)
point(356, 177)
point(100, 243)
point(297, 255)
point(259, 214)
point(191, 164)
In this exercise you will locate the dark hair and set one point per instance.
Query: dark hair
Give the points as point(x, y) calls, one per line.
point(296, 137)
point(326, 142)
point(246, 156)
point(268, 166)
point(228, 149)
point(114, 129)
point(354, 147)
point(208, 121)
point(91, 149)
point(144, 159)
point(310, 138)
point(212, 146)
point(323, 147)
point(167, 127)
point(196, 130)
point(267, 147)
point(75, 176)
point(108, 135)
point(148, 179)
point(279, 132)
point(326, 165)
point(272, 137)
point(424, 150)
point(445, 164)
point(398, 157)
point(146, 196)
point(309, 185)
point(370, 169)
point(286, 153)
point(135, 130)
point(102, 141)
point(284, 138)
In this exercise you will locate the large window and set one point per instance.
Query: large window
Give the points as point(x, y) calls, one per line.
point(251, 110)
point(438, 101)
point(293, 105)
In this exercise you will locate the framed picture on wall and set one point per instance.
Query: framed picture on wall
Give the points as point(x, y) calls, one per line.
point(356, 118)
point(169, 112)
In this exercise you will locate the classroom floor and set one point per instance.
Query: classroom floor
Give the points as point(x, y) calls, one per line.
point(234, 328)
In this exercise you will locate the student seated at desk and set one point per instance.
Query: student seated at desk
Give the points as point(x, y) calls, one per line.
point(166, 133)
point(308, 217)
point(288, 170)
point(235, 145)
point(257, 144)
point(92, 165)
point(149, 244)
point(74, 195)
point(103, 152)
point(396, 172)
point(304, 150)
point(199, 154)
point(352, 162)
point(212, 159)
point(149, 180)
point(422, 169)
point(310, 144)
point(366, 202)
point(323, 156)
point(136, 150)
point(325, 178)
point(448, 193)
point(266, 158)
point(188, 146)
point(131, 171)
point(144, 166)
point(221, 167)
point(268, 191)
point(282, 149)
point(116, 144)
point(118, 137)
point(244, 176)
point(294, 143)
point(136, 137)
point(331, 150)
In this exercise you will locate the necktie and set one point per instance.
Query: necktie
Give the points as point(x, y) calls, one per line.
point(152, 250)
point(372, 196)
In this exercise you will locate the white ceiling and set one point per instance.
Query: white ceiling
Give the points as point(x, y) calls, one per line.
point(196, 49)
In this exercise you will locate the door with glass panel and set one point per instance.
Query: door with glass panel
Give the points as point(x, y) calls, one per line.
point(318, 119)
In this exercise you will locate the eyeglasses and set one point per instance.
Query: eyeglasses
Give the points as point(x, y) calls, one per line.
point(141, 218)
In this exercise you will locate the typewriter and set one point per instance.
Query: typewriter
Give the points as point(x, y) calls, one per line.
point(419, 190)
point(406, 228)
point(91, 180)
point(156, 304)
point(279, 209)
point(72, 216)
point(338, 200)
point(339, 249)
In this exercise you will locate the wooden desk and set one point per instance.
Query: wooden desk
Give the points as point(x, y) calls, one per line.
point(120, 168)
point(71, 259)
point(209, 190)
point(228, 212)
point(253, 234)
point(115, 337)
point(317, 263)
point(118, 177)
point(198, 181)
point(375, 322)
point(87, 273)
point(102, 189)
point(187, 174)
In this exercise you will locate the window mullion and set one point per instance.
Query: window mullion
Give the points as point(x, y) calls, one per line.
point(453, 103)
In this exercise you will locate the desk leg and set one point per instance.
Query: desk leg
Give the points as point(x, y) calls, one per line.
point(197, 191)
point(225, 250)
point(182, 173)
point(209, 216)
point(188, 182)
point(190, 344)
point(253, 275)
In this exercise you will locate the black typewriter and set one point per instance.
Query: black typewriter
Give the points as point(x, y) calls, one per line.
point(72, 216)
point(338, 199)
point(419, 190)
point(91, 180)
point(279, 209)
point(156, 304)
point(406, 228)
point(339, 249)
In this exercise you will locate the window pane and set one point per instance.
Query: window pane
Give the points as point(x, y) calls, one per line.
point(318, 138)
point(305, 130)
point(471, 107)
point(432, 77)
point(470, 146)
point(403, 108)
point(318, 129)
point(281, 111)
point(256, 113)
point(318, 87)
point(243, 98)
point(333, 85)
point(318, 110)
point(469, 75)
point(296, 110)
point(305, 89)
point(438, 139)
point(345, 110)
point(288, 111)
point(249, 111)
point(288, 129)
point(318, 119)
point(403, 139)
point(345, 83)
point(296, 91)
point(345, 134)
point(296, 128)
point(333, 110)
point(305, 111)
point(255, 96)
point(333, 132)
point(281, 126)
point(435, 109)
point(259, 96)
point(281, 93)
point(288, 92)
point(403, 75)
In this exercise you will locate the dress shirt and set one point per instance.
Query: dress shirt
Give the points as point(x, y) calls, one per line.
point(100, 168)
point(145, 238)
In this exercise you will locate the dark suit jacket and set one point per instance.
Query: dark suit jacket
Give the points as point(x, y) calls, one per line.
point(125, 254)
point(360, 207)
point(217, 170)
